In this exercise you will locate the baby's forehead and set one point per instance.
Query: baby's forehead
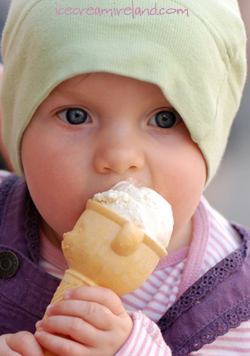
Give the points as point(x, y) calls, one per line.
point(102, 77)
point(71, 82)
point(101, 83)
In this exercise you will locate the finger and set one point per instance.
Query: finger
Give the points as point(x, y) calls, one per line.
point(24, 343)
point(96, 314)
point(100, 295)
point(5, 349)
point(61, 346)
point(75, 328)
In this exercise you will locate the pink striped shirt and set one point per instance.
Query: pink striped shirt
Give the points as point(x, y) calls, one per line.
point(213, 239)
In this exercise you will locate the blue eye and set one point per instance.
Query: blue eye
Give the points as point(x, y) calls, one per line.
point(74, 116)
point(165, 119)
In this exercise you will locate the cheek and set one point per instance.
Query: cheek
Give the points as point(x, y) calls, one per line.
point(55, 184)
point(183, 177)
point(41, 159)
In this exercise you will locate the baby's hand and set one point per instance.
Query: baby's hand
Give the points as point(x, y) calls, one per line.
point(22, 343)
point(92, 318)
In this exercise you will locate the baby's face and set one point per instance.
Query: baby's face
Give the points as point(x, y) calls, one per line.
point(95, 130)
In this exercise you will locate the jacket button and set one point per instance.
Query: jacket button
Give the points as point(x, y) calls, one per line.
point(8, 264)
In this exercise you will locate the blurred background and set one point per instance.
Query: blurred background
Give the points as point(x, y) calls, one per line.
point(229, 192)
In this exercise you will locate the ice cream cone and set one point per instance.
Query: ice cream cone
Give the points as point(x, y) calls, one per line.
point(105, 249)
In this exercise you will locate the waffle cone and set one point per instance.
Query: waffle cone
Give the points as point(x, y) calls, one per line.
point(105, 249)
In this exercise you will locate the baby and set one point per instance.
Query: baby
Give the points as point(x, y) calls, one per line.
point(89, 100)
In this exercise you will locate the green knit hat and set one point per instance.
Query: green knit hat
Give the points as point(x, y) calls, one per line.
point(193, 50)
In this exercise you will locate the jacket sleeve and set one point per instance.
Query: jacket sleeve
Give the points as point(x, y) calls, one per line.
point(145, 339)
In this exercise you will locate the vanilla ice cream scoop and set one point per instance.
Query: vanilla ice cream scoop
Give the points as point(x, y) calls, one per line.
point(143, 207)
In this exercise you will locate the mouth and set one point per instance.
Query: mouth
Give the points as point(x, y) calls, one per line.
point(108, 185)
point(135, 183)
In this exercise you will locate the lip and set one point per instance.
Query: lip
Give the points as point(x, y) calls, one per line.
point(135, 182)
point(107, 185)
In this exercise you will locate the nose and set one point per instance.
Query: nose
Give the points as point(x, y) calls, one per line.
point(119, 152)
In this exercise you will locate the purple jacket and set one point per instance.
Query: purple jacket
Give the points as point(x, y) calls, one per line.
point(25, 296)
point(218, 301)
